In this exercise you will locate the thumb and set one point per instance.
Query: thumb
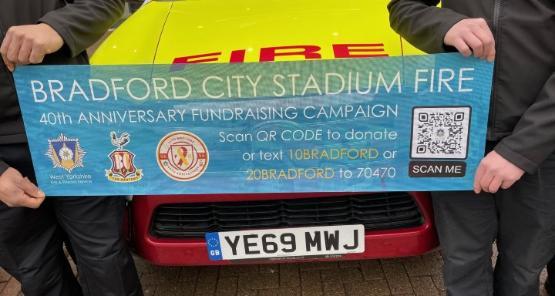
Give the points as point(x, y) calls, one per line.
point(29, 202)
point(9, 65)
point(31, 189)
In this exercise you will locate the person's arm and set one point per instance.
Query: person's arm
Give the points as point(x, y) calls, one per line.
point(533, 138)
point(422, 23)
point(82, 22)
point(530, 143)
point(76, 25)
point(434, 29)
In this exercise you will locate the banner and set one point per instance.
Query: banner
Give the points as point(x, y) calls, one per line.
point(415, 123)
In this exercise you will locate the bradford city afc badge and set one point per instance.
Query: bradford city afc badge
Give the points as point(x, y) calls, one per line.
point(65, 153)
point(123, 168)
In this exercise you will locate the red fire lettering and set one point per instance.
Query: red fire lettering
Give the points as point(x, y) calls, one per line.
point(201, 58)
point(359, 50)
point(237, 56)
point(309, 52)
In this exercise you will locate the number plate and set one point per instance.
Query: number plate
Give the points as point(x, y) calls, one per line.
point(285, 242)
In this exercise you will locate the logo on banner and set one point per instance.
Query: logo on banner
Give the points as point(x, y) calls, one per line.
point(123, 168)
point(182, 156)
point(440, 140)
point(65, 153)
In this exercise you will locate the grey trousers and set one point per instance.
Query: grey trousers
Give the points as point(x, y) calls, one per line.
point(521, 219)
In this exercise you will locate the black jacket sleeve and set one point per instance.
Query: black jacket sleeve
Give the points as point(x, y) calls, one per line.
point(422, 23)
point(82, 22)
point(533, 138)
point(3, 167)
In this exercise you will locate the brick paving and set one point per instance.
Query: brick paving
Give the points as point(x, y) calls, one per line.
point(416, 276)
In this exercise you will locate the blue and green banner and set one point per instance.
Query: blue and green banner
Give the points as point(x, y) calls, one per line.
point(384, 124)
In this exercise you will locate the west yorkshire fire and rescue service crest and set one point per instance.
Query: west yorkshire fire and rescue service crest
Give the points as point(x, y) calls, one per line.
point(65, 153)
point(123, 168)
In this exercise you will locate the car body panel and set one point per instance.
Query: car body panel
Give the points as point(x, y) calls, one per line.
point(136, 40)
point(164, 32)
point(254, 24)
point(389, 243)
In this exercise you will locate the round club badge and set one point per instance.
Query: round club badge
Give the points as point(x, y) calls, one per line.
point(182, 156)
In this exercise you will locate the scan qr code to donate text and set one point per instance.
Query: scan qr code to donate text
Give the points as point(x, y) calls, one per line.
point(440, 132)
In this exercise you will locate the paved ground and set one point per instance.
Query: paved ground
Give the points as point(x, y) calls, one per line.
point(418, 276)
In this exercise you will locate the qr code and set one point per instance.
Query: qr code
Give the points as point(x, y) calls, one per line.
point(440, 132)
